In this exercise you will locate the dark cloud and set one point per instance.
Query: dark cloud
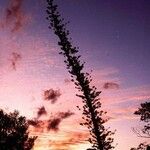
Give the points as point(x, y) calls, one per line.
point(53, 124)
point(35, 123)
point(14, 17)
point(111, 85)
point(41, 111)
point(52, 95)
point(15, 57)
point(64, 115)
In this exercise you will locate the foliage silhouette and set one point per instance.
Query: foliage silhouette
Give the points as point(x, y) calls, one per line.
point(142, 146)
point(144, 112)
point(100, 137)
point(13, 132)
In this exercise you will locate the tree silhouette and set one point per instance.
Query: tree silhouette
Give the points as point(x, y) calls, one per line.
point(13, 132)
point(92, 115)
point(142, 146)
point(144, 112)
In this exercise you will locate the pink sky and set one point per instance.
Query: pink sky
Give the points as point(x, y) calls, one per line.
point(40, 68)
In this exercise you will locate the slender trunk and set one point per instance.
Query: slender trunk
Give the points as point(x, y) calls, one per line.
point(100, 137)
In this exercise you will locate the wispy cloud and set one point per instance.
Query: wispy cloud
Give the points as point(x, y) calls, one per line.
point(73, 139)
point(14, 16)
point(104, 77)
point(64, 115)
point(111, 85)
point(52, 95)
point(67, 81)
point(35, 123)
point(53, 124)
point(136, 94)
point(41, 111)
point(15, 58)
point(122, 113)
point(65, 140)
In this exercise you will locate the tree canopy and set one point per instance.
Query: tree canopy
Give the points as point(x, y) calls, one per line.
point(14, 133)
point(144, 112)
point(141, 146)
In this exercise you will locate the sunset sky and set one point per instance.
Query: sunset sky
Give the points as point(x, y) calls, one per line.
point(114, 40)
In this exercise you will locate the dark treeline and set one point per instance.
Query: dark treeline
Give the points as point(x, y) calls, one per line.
point(14, 133)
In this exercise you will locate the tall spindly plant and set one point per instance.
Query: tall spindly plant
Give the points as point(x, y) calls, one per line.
point(92, 115)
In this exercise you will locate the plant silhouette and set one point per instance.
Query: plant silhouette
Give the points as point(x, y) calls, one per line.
point(13, 132)
point(144, 113)
point(142, 146)
point(92, 115)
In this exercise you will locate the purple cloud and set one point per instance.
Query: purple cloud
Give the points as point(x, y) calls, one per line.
point(41, 111)
point(14, 60)
point(53, 124)
point(52, 95)
point(111, 85)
